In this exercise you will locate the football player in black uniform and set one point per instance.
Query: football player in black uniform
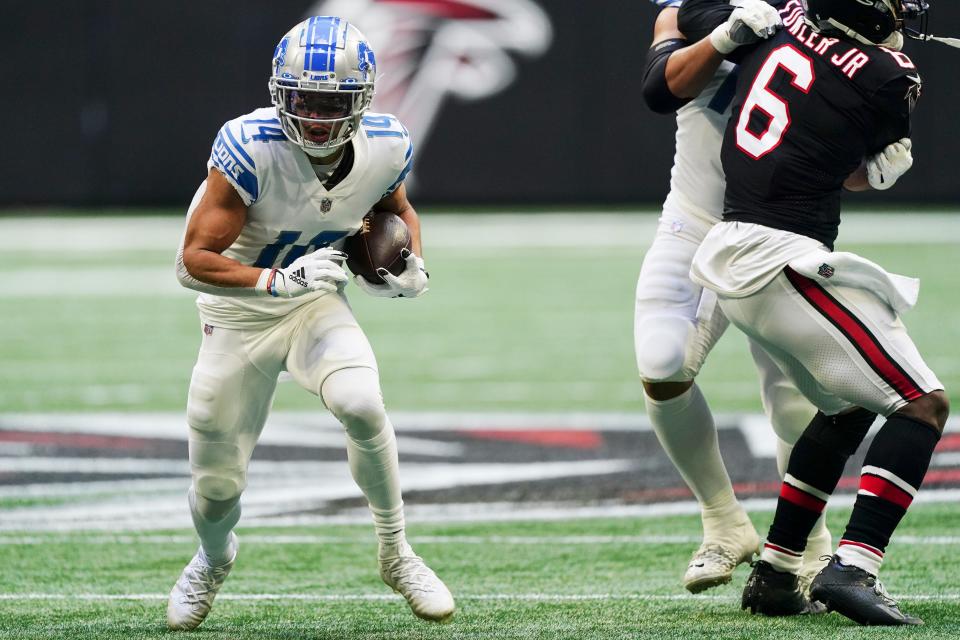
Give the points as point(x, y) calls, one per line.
point(823, 104)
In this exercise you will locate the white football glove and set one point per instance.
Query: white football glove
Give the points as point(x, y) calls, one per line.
point(885, 168)
point(751, 21)
point(317, 271)
point(411, 283)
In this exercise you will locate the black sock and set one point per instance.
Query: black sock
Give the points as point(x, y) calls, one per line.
point(892, 473)
point(813, 472)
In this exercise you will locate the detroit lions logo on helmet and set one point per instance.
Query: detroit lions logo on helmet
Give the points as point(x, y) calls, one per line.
point(368, 62)
point(280, 55)
point(440, 48)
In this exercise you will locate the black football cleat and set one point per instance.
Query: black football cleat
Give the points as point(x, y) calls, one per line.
point(775, 593)
point(858, 595)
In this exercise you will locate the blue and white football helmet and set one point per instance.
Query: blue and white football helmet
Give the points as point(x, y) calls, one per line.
point(322, 82)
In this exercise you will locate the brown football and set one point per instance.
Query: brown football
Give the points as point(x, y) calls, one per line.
point(377, 246)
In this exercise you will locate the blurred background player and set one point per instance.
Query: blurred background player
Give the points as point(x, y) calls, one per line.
point(677, 322)
point(285, 185)
point(825, 103)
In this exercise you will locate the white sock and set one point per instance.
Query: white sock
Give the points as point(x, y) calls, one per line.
point(783, 456)
point(857, 556)
point(782, 559)
point(376, 470)
point(214, 532)
point(725, 519)
point(353, 396)
point(685, 428)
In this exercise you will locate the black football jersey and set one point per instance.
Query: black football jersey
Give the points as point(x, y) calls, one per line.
point(808, 109)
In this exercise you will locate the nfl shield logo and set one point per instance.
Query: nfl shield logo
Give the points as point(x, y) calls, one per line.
point(325, 205)
point(825, 270)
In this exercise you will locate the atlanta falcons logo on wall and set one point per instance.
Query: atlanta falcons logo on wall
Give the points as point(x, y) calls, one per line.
point(428, 49)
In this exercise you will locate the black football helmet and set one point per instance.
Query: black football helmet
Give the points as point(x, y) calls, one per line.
point(870, 21)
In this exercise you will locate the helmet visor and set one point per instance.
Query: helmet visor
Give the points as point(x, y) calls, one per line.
point(320, 119)
point(319, 105)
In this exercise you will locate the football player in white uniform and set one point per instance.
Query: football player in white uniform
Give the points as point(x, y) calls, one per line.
point(677, 322)
point(286, 185)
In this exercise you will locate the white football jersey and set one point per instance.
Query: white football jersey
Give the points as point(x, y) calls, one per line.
point(289, 211)
point(697, 181)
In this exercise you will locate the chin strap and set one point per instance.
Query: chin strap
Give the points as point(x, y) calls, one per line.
point(895, 41)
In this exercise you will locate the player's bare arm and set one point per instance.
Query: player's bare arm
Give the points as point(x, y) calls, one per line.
point(215, 225)
point(398, 203)
point(858, 179)
point(688, 69)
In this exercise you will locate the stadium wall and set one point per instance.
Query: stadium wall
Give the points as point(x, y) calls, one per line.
point(111, 103)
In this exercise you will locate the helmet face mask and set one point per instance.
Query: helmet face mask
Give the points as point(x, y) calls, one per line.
point(916, 11)
point(319, 119)
point(875, 22)
point(322, 82)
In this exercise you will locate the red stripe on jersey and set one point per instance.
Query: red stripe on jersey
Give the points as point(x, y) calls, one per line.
point(854, 543)
point(858, 334)
point(801, 498)
point(795, 554)
point(883, 488)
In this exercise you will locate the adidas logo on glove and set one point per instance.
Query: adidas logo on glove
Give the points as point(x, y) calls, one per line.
point(299, 276)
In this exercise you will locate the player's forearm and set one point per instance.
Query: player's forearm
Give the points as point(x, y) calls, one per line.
point(858, 181)
point(412, 220)
point(234, 280)
point(690, 69)
point(213, 268)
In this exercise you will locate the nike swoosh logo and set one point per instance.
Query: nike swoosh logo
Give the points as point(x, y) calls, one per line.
point(915, 79)
point(244, 139)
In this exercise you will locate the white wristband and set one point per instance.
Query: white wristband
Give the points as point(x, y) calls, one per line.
point(266, 283)
point(721, 40)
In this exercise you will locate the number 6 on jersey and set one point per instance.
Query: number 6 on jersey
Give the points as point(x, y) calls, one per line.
point(800, 68)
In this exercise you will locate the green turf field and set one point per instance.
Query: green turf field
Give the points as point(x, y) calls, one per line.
point(503, 328)
point(579, 579)
point(506, 327)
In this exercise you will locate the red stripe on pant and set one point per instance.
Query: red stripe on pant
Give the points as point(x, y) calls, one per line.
point(801, 498)
point(883, 488)
point(871, 350)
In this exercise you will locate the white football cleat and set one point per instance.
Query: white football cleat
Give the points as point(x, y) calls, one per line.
point(713, 563)
point(192, 597)
point(815, 557)
point(407, 574)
